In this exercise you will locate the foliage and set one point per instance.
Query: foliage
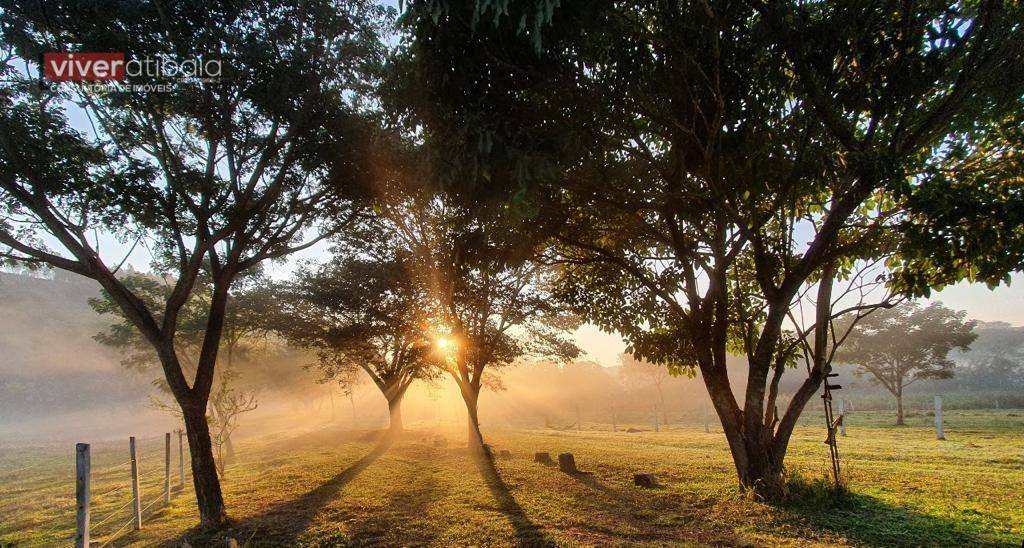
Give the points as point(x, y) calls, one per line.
point(360, 312)
point(903, 345)
point(244, 326)
point(211, 176)
point(995, 360)
point(707, 163)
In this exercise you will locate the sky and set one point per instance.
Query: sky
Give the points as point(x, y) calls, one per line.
point(1002, 304)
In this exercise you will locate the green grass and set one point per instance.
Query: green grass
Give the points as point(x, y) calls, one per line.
point(328, 486)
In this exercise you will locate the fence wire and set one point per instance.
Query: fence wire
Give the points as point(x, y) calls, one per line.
point(151, 478)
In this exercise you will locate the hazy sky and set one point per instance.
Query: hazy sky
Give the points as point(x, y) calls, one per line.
point(1005, 303)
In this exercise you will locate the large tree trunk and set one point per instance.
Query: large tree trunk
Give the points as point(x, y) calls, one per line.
point(394, 392)
point(758, 468)
point(204, 467)
point(763, 473)
point(395, 413)
point(471, 395)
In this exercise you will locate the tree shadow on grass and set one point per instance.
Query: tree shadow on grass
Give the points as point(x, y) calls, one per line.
point(864, 519)
point(283, 523)
point(639, 515)
point(527, 533)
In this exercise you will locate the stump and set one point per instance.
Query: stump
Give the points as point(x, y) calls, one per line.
point(645, 480)
point(543, 458)
point(567, 463)
point(505, 454)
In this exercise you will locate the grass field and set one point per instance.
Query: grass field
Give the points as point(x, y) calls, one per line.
point(329, 486)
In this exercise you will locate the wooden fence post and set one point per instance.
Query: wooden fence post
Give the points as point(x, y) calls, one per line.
point(167, 468)
point(82, 495)
point(938, 419)
point(181, 459)
point(136, 502)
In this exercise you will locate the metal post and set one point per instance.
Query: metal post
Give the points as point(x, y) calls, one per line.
point(136, 502)
point(82, 495)
point(167, 468)
point(938, 418)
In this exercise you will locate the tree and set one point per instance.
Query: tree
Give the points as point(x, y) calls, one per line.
point(648, 373)
point(903, 345)
point(244, 324)
point(213, 177)
point(227, 403)
point(491, 312)
point(709, 163)
point(348, 381)
point(996, 359)
point(490, 306)
point(364, 311)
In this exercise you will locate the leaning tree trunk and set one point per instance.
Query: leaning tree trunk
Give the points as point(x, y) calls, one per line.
point(471, 395)
point(204, 467)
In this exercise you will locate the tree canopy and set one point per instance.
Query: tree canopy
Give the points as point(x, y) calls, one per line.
point(902, 345)
point(708, 163)
point(210, 176)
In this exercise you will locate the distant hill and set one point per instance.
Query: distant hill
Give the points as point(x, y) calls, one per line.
point(47, 325)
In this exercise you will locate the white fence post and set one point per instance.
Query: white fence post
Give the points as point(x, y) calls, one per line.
point(82, 495)
point(167, 468)
point(181, 459)
point(938, 418)
point(136, 503)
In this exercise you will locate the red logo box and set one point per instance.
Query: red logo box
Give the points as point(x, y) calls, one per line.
point(81, 66)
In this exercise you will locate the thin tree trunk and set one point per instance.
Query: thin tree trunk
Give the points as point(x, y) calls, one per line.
point(204, 467)
point(229, 448)
point(899, 408)
point(330, 393)
point(664, 412)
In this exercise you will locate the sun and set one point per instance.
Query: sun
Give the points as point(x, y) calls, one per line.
point(443, 343)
